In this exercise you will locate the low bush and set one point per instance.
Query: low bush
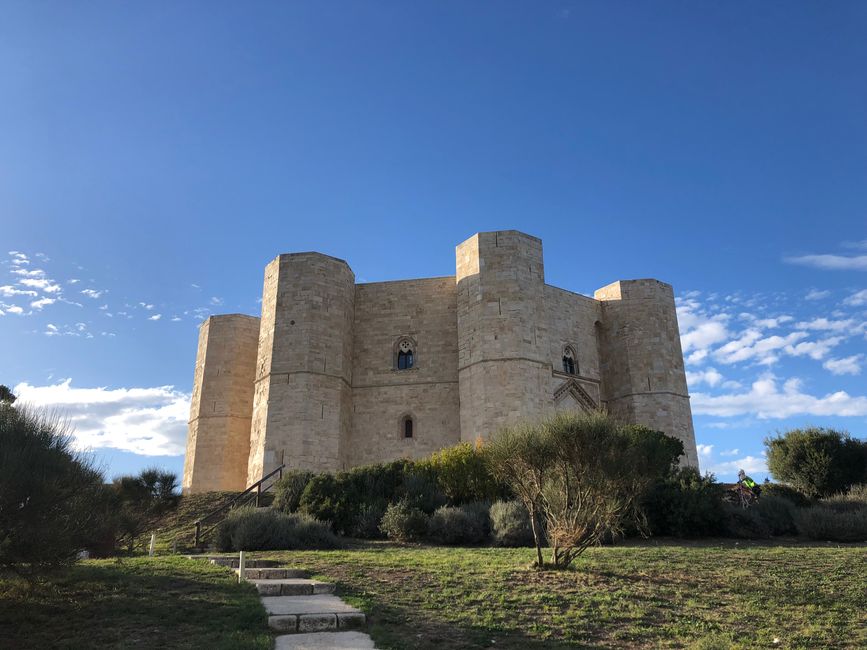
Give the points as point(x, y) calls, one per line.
point(785, 492)
point(685, 504)
point(826, 522)
point(367, 521)
point(480, 511)
point(777, 513)
point(463, 474)
point(858, 493)
point(288, 490)
point(403, 522)
point(422, 490)
point(458, 525)
point(266, 529)
point(510, 523)
point(744, 523)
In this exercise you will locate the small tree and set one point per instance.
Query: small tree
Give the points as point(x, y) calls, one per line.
point(142, 499)
point(818, 462)
point(582, 474)
point(50, 496)
point(6, 395)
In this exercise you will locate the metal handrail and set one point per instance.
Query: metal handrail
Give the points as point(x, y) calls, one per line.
point(247, 496)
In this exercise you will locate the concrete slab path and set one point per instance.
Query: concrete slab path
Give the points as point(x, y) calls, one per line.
point(324, 641)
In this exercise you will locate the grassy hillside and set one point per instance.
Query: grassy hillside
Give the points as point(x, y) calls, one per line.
point(180, 523)
point(133, 603)
point(722, 594)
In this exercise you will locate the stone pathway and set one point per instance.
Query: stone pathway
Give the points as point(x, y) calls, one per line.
point(306, 611)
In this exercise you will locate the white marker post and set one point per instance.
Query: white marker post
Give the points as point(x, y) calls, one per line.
point(242, 566)
point(153, 543)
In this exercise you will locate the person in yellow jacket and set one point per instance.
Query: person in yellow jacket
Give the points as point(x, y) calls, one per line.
point(748, 483)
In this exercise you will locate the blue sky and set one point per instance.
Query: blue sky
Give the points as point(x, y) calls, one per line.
point(155, 156)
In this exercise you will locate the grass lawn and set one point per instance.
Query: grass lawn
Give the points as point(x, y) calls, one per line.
point(637, 596)
point(167, 602)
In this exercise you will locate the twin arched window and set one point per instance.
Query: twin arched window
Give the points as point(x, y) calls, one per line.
point(570, 365)
point(405, 356)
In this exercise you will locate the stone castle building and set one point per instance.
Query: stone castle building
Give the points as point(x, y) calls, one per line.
point(337, 374)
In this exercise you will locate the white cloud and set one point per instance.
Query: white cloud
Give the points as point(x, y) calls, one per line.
point(751, 345)
point(831, 262)
point(857, 299)
point(704, 450)
point(825, 324)
point(43, 284)
point(817, 350)
point(816, 294)
point(73, 281)
point(146, 306)
point(766, 400)
point(42, 302)
point(155, 317)
point(147, 421)
point(9, 291)
point(750, 464)
point(14, 309)
point(730, 452)
point(711, 377)
point(92, 293)
point(216, 301)
point(845, 366)
point(175, 319)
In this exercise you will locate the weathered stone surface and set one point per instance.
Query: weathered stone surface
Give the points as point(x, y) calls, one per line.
point(319, 604)
point(324, 641)
point(285, 623)
point(317, 622)
point(351, 621)
point(315, 383)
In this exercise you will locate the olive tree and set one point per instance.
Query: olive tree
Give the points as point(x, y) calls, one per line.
point(580, 477)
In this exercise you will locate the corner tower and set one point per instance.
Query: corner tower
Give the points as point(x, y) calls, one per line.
point(218, 440)
point(503, 365)
point(643, 377)
point(302, 403)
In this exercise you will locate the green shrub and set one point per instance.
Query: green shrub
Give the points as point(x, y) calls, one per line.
point(288, 490)
point(818, 462)
point(403, 522)
point(462, 474)
point(480, 511)
point(52, 500)
point(825, 523)
point(744, 523)
point(367, 521)
point(777, 513)
point(422, 490)
point(685, 504)
point(510, 523)
point(458, 525)
point(265, 529)
point(785, 492)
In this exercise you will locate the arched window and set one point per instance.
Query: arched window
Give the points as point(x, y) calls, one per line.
point(407, 427)
point(405, 355)
point(570, 367)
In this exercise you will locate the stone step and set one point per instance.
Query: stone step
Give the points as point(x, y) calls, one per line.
point(313, 613)
point(232, 562)
point(324, 641)
point(273, 573)
point(292, 587)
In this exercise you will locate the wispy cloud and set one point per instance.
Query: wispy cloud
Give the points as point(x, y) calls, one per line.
point(857, 299)
point(155, 317)
point(816, 294)
point(93, 293)
point(845, 366)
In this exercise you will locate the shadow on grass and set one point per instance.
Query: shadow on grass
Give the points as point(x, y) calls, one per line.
point(126, 605)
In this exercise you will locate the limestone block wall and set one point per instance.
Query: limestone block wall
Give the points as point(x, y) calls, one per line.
point(643, 376)
point(218, 441)
point(302, 401)
point(424, 311)
point(572, 322)
point(504, 362)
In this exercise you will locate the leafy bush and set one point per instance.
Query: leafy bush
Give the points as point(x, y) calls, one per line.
point(462, 474)
point(264, 529)
point(858, 493)
point(777, 513)
point(785, 492)
point(458, 525)
point(288, 490)
point(825, 523)
point(367, 521)
point(422, 490)
point(480, 511)
point(685, 504)
point(51, 499)
point(818, 462)
point(141, 500)
point(510, 523)
point(403, 522)
point(744, 523)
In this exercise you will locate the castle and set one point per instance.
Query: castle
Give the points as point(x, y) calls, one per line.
point(337, 374)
